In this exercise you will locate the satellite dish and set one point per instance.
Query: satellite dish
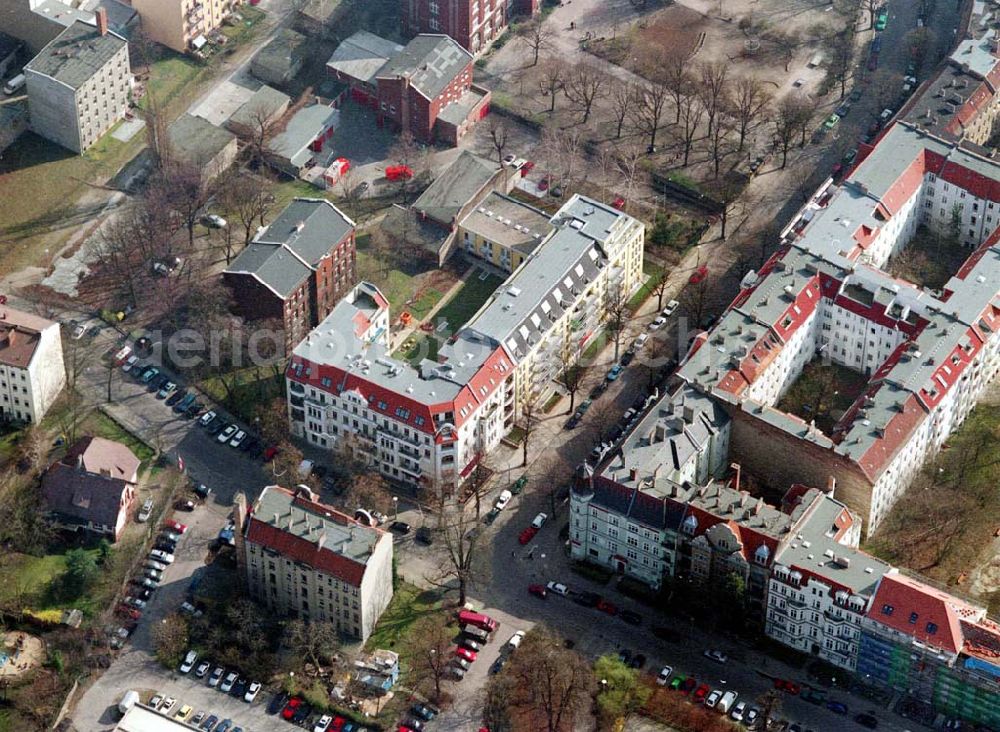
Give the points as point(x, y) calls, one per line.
point(363, 517)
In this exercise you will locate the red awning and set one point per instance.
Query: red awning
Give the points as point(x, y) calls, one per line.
point(468, 468)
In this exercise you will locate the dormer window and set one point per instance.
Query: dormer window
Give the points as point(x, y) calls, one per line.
point(887, 609)
point(913, 618)
point(762, 554)
point(690, 525)
point(931, 628)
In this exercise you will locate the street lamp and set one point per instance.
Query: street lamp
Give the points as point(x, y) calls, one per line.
point(395, 508)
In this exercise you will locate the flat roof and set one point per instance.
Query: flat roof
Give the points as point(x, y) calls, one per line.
point(509, 222)
point(144, 719)
point(197, 140)
point(361, 55)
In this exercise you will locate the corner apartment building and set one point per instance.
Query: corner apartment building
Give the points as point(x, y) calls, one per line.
point(182, 25)
point(32, 373)
point(79, 84)
point(305, 559)
point(297, 269)
point(473, 24)
point(928, 355)
point(428, 425)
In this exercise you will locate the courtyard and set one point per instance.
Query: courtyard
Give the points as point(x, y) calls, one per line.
point(930, 259)
point(823, 392)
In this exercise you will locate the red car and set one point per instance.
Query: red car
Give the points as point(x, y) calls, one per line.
point(527, 168)
point(175, 526)
point(619, 203)
point(606, 607)
point(700, 693)
point(688, 685)
point(291, 707)
point(465, 653)
point(789, 687)
point(338, 724)
point(527, 535)
point(537, 591)
point(699, 275)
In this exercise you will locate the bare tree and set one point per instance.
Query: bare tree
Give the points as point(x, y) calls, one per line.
point(248, 199)
point(750, 99)
point(551, 80)
point(883, 88)
point(694, 299)
point(719, 141)
point(673, 71)
point(692, 112)
point(785, 121)
point(257, 128)
point(616, 315)
point(623, 96)
point(430, 651)
point(627, 164)
point(585, 84)
point(537, 36)
point(659, 288)
point(713, 90)
point(785, 43)
point(499, 696)
point(189, 193)
point(497, 127)
point(918, 41)
point(314, 641)
point(367, 489)
point(871, 7)
point(571, 372)
point(554, 684)
point(840, 63)
point(648, 109)
point(461, 546)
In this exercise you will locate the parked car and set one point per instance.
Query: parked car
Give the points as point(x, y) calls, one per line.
point(836, 707)
point(614, 372)
point(586, 599)
point(175, 526)
point(177, 396)
point(558, 587)
point(206, 419)
point(166, 390)
point(465, 653)
point(717, 656)
point(658, 323)
point(539, 520)
point(161, 556)
point(426, 712)
point(399, 527)
point(606, 606)
point(213, 221)
point(238, 439)
point(323, 723)
point(130, 363)
point(713, 698)
point(277, 703)
point(145, 511)
point(209, 724)
point(699, 695)
point(168, 704)
point(227, 683)
point(787, 686)
point(738, 712)
point(502, 500)
point(670, 308)
point(866, 720)
point(227, 434)
point(527, 535)
point(698, 275)
point(537, 591)
point(664, 676)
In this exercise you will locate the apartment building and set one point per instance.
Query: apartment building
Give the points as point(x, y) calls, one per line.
point(79, 84)
point(182, 25)
point(502, 231)
point(428, 425)
point(823, 294)
point(297, 269)
point(473, 24)
point(32, 373)
point(305, 559)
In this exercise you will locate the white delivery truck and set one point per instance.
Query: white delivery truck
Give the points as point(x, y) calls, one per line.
point(14, 85)
point(129, 700)
point(726, 702)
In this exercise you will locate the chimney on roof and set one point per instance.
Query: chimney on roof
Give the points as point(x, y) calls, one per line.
point(633, 473)
point(736, 475)
point(321, 540)
point(102, 21)
point(831, 485)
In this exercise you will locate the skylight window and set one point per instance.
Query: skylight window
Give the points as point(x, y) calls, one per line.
point(887, 609)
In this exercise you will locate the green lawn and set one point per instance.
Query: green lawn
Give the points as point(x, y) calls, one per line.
point(252, 387)
point(169, 76)
point(409, 604)
point(424, 303)
point(467, 300)
point(32, 578)
point(424, 346)
point(101, 425)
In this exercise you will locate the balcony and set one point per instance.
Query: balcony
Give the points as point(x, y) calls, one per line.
point(410, 451)
point(296, 388)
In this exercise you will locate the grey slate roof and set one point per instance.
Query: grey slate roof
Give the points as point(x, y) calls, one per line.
point(197, 140)
point(76, 54)
point(362, 55)
point(430, 61)
point(267, 100)
point(282, 255)
point(458, 184)
point(293, 142)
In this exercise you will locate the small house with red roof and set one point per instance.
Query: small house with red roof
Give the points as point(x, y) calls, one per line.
point(307, 560)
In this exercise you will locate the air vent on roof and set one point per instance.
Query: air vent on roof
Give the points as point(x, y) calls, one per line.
point(576, 224)
point(588, 211)
point(513, 291)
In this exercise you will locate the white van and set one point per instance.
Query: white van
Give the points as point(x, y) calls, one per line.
point(14, 85)
point(128, 700)
point(726, 702)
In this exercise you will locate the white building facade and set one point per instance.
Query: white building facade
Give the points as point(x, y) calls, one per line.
point(32, 373)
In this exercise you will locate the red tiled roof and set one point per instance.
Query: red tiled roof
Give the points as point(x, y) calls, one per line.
point(911, 600)
point(325, 559)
